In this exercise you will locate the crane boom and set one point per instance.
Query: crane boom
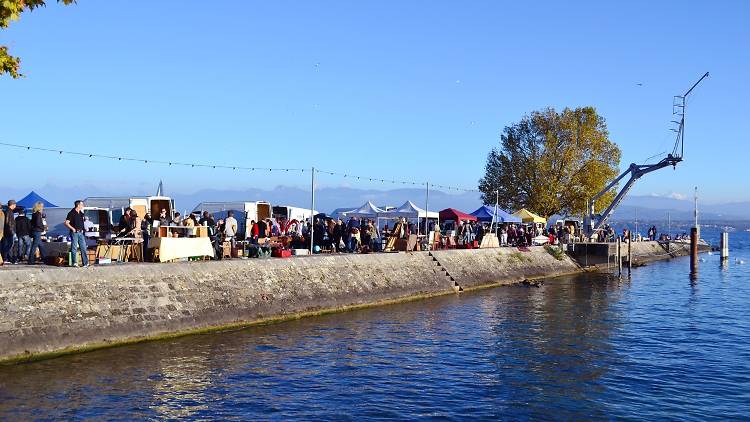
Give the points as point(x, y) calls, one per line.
point(594, 222)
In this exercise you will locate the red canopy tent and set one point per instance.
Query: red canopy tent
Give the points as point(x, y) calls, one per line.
point(455, 215)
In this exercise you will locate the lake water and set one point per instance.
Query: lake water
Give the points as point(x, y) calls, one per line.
point(584, 347)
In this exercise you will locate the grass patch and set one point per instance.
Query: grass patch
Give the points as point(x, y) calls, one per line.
point(519, 257)
point(555, 252)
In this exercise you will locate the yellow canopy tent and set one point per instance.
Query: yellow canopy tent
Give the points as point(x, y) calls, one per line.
point(529, 217)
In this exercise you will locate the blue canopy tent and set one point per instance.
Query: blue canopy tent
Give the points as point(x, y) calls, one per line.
point(483, 213)
point(32, 198)
point(486, 212)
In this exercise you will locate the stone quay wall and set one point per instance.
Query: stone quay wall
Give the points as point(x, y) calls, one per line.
point(46, 311)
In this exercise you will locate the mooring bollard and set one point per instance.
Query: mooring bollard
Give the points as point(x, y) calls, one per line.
point(619, 257)
point(630, 256)
point(724, 246)
point(694, 251)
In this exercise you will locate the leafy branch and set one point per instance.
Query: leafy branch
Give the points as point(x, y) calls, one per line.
point(10, 10)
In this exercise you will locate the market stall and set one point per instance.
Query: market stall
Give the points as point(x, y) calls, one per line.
point(452, 214)
point(452, 218)
point(529, 217)
point(171, 248)
point(410, 211)
point(28, 201)
point(487, 213)
point(367, 210)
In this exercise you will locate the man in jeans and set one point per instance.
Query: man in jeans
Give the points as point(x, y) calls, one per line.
point(23, 232)
point(74, 223)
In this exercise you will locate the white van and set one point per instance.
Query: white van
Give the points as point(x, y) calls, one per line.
point(289, 213)
point(142, 204)
point(244, 212)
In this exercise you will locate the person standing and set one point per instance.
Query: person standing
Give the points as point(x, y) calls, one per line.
point(207, 220)
point(2, 232)
point(146, 224)
point(262, 229)
point(74, 223)
point(9, 232)
point(338, 234)
point(230, 227)
point(253, 232)
point(163, 218)
point(37, 228)
point(23, 232)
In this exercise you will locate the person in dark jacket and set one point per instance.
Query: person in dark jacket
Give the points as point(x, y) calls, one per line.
point(126, 225)
point(9, 233)
point(338, 234)
point(146, 223)
point(2, 230)
point(23, 232)
point(36, 229)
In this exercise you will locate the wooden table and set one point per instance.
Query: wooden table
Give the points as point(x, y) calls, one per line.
point(172, 248)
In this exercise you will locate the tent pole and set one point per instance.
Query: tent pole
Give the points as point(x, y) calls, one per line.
point(426, 210)
point(312, 211)
point(497, 200)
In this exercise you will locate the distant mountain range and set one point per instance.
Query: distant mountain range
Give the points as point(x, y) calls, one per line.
point(329, 198)
point(657, 208)
point(326, 198)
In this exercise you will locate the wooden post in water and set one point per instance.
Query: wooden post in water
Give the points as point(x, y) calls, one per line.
point(619, 256)
point(630, 256)
point(724, 246)
point(694, 251)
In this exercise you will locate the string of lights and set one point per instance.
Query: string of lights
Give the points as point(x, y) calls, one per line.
point(230, 167)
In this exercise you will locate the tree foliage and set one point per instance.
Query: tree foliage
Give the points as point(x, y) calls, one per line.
point(11, 10)
point(552, 162)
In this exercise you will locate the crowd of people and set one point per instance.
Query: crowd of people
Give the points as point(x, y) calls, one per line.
point(21, 235)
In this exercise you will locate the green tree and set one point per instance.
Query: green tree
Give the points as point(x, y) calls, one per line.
point(11, 10)
point(552, 162)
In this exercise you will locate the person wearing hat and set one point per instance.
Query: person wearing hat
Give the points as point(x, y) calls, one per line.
point(9, 232)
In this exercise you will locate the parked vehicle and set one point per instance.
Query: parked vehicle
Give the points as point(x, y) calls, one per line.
point(117, 205)
point(244, 212)
point(289, 213)
point(98, 223)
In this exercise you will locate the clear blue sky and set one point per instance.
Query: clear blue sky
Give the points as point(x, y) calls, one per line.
point(417, 90)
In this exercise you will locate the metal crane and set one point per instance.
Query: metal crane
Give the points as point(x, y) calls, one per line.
point(594, 222)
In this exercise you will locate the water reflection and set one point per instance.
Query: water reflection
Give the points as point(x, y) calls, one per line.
point(584, 347)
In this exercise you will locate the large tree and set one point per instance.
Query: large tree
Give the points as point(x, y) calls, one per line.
point(10, 10)
point(552, 162)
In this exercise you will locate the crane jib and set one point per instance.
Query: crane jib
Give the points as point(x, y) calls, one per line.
point(594, 222)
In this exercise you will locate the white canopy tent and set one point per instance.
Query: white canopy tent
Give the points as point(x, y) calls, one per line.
point(367, 210)
point(409, 210)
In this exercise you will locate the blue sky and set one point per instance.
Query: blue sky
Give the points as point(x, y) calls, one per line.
point(415, 90)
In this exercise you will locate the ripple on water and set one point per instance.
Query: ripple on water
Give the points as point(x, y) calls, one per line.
point(585, 347)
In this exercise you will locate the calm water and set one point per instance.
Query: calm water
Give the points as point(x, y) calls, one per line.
point(585, 347)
